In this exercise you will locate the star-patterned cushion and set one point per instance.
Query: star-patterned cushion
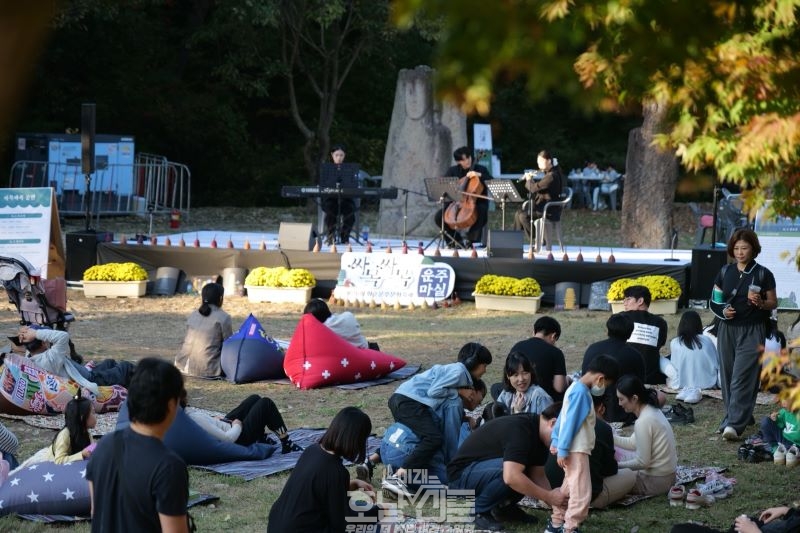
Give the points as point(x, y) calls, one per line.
point(318, 357)
point(48, 489)
point(251, 355)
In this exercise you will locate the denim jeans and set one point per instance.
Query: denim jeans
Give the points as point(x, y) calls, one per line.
point(486, 479)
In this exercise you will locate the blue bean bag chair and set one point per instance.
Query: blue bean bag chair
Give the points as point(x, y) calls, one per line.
point(197, 447)
point(251, 355)
point(47, 489)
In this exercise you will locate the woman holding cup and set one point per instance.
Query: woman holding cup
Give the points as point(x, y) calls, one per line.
point(742, 298)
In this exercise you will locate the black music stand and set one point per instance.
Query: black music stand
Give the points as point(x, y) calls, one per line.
point(338, 177)
point(503, 191)
point(443, 191)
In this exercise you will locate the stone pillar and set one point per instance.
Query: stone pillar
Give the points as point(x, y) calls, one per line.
point(422, 136)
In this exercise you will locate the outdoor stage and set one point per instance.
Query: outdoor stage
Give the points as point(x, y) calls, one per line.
point(207, 261)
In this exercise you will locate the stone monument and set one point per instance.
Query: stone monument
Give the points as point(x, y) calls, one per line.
point(422, 136)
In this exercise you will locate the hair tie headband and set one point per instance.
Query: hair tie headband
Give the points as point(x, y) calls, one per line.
point(78, 395)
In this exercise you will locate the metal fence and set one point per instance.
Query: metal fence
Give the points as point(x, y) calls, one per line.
point(151, 184)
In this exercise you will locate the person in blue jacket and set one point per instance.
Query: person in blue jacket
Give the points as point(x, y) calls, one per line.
point(415, 402)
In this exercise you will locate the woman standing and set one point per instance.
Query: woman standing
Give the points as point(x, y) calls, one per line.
point(656, 457)
point(206, 328)
point(742, 297)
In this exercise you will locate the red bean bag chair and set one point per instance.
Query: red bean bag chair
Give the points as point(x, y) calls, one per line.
point(318, 357)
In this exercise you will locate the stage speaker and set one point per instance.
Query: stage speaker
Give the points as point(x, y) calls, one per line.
point(505, 244)
point(296, 236)
point(87, 138)
point(706, 264)
point(82, 252)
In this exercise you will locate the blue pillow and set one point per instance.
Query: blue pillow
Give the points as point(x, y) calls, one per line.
point(197, 447)
point(48, 489)
point(251, 355)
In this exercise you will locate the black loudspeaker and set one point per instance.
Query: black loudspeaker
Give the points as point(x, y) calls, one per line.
point(87, 138)
point(82, 252)
point(706, 264)
point(505, 244)
point(295, 236)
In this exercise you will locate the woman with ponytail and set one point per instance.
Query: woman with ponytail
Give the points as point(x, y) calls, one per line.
point(206, 328)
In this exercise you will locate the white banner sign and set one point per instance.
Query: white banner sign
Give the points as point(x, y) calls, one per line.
point(25, 216)
point(780, 241)
point(393, 278)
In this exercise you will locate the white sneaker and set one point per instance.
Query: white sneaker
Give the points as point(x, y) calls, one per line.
point(792, 456)
point(693, 395)
point(681, 396)
point(730, 434)
point(779, 456)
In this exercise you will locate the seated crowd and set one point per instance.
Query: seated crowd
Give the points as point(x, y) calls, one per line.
point(546, 435)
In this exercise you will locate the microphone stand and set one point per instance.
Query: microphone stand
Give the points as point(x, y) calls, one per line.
point(672, 247)
point(443, 238)
point(530, 215)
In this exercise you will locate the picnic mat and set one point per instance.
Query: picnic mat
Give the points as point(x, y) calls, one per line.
point(405, 372)
point(106, 422)
point(763, 398)
point(683, 475)
point(195, 498)
point(278, 462)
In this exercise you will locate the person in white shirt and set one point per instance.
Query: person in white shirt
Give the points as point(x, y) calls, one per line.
point(343, 324)
point(694, 359)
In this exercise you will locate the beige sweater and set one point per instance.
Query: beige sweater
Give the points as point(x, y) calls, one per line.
point(653, 442)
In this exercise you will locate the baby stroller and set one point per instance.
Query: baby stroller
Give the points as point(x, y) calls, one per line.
point(43, 303)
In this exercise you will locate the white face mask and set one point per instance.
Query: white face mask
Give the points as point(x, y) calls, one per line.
point(598, 391)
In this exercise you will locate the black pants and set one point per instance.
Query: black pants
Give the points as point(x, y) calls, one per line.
point(332, 209)
point(419, 418)
point(255, 413)
point(787, 524)
point(111, 372)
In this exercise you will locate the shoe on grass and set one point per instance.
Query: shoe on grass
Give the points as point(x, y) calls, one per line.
point(681, 396)
point(553, 529)
point(695, 499)
point(779, 455)
point(392, 485)
point(513, 513)
point(365, 470)
point(730, 434)
point(676, 495)
point(694, 395)
point(485, 522)
point(792, 456)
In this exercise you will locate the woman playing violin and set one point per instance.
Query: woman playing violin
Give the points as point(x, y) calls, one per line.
point(546, 189)
point(464, 166)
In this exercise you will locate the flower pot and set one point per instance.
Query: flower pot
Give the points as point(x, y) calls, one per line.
point(657, 307)
point(114, 289)
point(523, 304)
point(278, 295)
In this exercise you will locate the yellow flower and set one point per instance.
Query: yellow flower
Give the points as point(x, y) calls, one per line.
point(280, 277)
point(115, 272)
point(507, 286)
point(661, 287)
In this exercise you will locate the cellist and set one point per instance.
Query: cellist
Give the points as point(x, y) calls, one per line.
point(473, 235)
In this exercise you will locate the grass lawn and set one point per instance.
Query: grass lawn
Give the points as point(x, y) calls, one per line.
point(132, 329)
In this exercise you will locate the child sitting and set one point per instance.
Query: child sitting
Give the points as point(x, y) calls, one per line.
point(520, 392)
point(781, 429)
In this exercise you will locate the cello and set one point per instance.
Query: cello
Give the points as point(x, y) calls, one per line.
point(463, 214)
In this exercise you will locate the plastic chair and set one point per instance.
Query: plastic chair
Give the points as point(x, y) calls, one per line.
point(551, 227)
point(705, 222)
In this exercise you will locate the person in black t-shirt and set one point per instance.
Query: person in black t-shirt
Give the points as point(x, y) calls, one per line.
point(315, 497)
point(502, 461)
point(649, 331)
point(619, 327)
point(135, 482)
point(548, 361)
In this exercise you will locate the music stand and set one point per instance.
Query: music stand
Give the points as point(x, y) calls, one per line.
point(344, 176)
point(442, 190)
point(503, 191)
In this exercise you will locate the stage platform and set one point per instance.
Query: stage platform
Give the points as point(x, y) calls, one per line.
point(325, 265)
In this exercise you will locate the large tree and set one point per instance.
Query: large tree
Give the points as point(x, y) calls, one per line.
point(721, 75)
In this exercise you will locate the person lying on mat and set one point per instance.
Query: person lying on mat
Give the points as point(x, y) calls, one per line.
point(783, 519)
point(343, 324)
point(49, 350)
point(246, 423)
point(206, 329)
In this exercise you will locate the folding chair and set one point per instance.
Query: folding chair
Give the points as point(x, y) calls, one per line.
point(551, 227)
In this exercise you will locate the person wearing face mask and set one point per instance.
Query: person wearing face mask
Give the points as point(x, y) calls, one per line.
point(542, 191)
point(573, 439)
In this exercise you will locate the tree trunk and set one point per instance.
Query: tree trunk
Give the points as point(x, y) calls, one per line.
point(651, 175)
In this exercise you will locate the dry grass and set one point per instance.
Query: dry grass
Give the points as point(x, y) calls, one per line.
point(137, 328)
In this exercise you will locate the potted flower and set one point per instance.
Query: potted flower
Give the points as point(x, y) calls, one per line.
point(664, 291)
point(279, 285)
point(115, 280)
point(504, 293)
